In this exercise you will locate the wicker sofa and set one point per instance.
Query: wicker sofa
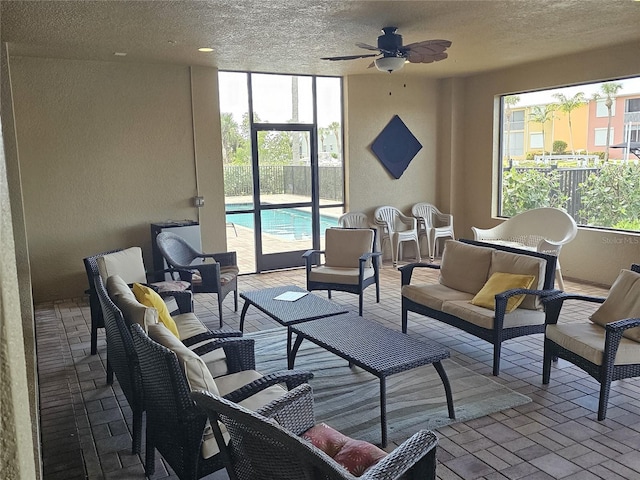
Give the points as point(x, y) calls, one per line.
point(467, 276)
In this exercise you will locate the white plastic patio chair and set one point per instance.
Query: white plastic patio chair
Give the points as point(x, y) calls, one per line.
point(396, 228)
point(432, 225)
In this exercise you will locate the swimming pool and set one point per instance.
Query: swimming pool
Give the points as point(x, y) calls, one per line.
point(287, 223)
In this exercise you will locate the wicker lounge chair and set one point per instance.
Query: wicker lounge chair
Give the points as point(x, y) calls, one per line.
point(349, 263)
point(267, 445)
point(127, 263)
point(608, 347)
point(207, 272)
point(122, 358)
point(174, 424)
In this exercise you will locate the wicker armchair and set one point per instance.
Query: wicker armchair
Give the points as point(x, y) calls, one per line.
point(123, 360)
point(132, 260)
point(175, 424)
point(266, 445)
point(219, 276)
point(350, 263)
point(606, 348)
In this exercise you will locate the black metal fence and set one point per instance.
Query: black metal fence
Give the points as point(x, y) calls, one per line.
point(569, 180)
point(283, 179)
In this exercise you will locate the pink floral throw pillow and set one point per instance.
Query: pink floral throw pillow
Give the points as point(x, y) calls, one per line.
point(356, 456)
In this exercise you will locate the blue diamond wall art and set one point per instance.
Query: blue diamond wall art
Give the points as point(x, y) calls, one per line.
point(395, 147)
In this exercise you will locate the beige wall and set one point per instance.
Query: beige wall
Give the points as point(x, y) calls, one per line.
point(369, 108)
point(594, 255)
point(106, 149)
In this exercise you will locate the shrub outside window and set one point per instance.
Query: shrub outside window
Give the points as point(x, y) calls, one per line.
point(574, 148)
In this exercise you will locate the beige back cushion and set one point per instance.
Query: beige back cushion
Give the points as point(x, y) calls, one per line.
point(344, 246)
point(508, 262)
point(464, 267)
point(194, 368)
point(127, 263)
point(622, 302)
point(132, 310)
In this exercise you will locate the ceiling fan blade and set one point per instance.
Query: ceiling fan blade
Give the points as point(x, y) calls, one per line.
point(427, 51)
point(350, 57)
point(365, 46)
point(425, 58)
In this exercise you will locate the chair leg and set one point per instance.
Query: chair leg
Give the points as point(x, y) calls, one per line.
point(136, 444)
point(94, 336)
point(360, 302)
point(109, 372)
point(149, 459)
point(329, 294)
point(497, 348)
point(235, 300)
point(220, 308)
point(546, 362)
point(605, 386)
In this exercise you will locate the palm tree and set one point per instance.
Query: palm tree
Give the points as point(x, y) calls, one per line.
point(567, 105)
point(230, 136)
point(609, 91)
point(509, 101)
point(334, 127)
point(542, 114)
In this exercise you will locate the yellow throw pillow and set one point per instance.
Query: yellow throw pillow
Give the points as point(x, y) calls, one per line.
point(501, 282)
point(147, 296)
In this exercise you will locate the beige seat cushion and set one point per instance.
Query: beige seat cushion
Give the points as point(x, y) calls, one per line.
point(587, 341)
point(132, 310)
point(433, 295)
point(127, 263)
point(345, 276)
point(227, 274)
point(623, 301)
point(344, 246)
point(508, 262)
point(484, 317)
point(189, 325)
point(465, 267)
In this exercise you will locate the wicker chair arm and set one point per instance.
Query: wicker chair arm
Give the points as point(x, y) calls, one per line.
point(184, 299)
point(366, 256)
point(210, 335)
point(225, 259)
point(406, 271)
point(239, 352)
point(293, 410)
point(504, 296)
point(553, 304)
point(418, 452)
point(622, 325)
point(292, 378)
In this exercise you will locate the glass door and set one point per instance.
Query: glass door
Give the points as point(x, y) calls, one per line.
point(285, 215)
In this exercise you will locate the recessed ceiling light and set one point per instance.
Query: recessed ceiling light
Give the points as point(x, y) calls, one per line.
point(205, 49)
point(120, 54)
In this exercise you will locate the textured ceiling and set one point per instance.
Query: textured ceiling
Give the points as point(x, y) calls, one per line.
point(290, 36)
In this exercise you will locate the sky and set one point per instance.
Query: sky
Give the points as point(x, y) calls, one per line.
point(272, 97)
point(629, 86)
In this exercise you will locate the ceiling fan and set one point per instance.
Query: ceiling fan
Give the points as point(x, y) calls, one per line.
point(394, 54)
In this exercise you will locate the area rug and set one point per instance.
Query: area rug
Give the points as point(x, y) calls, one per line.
point(348, 399)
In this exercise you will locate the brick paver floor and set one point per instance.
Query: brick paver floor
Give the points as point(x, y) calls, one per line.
point(86, 424)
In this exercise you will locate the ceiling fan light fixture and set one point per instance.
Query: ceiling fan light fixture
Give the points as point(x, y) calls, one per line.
point(389, 64)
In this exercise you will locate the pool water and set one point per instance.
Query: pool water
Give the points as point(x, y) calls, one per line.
point(289, 224)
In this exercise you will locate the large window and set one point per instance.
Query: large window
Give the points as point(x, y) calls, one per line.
point(572, 148)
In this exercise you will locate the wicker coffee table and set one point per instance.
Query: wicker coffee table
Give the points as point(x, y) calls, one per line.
point(309, 307)
point(374, 348)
